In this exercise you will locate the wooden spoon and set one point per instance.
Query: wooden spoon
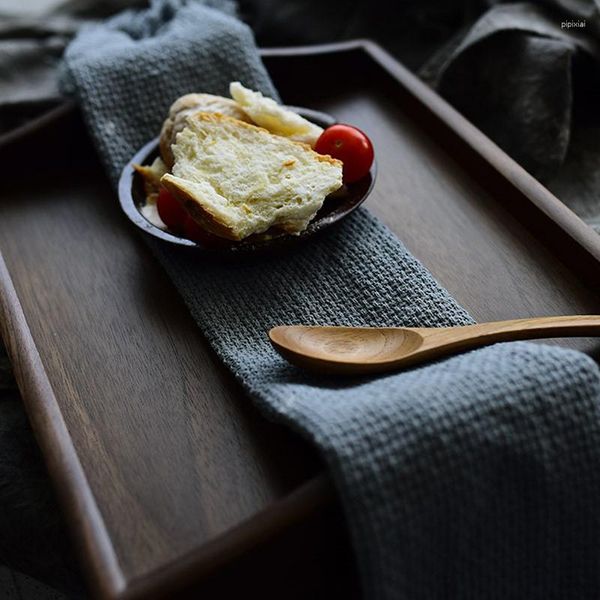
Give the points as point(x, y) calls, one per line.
point(356, 350)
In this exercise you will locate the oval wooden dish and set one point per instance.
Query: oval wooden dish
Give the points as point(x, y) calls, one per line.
point(336, 206)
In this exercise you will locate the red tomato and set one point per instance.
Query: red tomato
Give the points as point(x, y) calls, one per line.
point(192, 230)
point(351, 146)
point(171, 212)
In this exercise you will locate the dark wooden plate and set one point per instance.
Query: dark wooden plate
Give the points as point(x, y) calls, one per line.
point(336, 206)
point(167, 475)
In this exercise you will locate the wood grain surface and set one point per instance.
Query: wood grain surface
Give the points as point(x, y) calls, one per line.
point(165, 471)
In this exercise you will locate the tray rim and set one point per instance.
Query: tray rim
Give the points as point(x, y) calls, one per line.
point(69, 479)
point(540, 196)
point(67, 474)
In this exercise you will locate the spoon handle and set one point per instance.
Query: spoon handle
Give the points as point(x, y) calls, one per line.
point(472, 336)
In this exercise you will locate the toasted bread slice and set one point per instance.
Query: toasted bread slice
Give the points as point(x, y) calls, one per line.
point(266, 113)
point(186, 105)
point(237, 179)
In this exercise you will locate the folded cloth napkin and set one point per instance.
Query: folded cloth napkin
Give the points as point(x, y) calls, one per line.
point(476, 477)
point(528, 75)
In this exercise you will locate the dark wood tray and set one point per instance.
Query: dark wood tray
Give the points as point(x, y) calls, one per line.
point(167, 475)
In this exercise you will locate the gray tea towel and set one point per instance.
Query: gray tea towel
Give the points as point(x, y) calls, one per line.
point(476, 477)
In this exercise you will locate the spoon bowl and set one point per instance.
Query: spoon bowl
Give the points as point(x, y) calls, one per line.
point(333, 347)
point(360, 350)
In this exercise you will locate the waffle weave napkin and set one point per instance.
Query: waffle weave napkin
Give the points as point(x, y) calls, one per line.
point(475, 477)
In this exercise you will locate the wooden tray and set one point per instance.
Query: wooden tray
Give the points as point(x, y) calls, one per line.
point(166, 473)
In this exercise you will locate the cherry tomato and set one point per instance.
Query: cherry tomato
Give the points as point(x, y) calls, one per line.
point(192, 230)
point(351, 146)
point(171, 212)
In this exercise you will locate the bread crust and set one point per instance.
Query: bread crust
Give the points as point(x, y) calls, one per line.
point(200, 214)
